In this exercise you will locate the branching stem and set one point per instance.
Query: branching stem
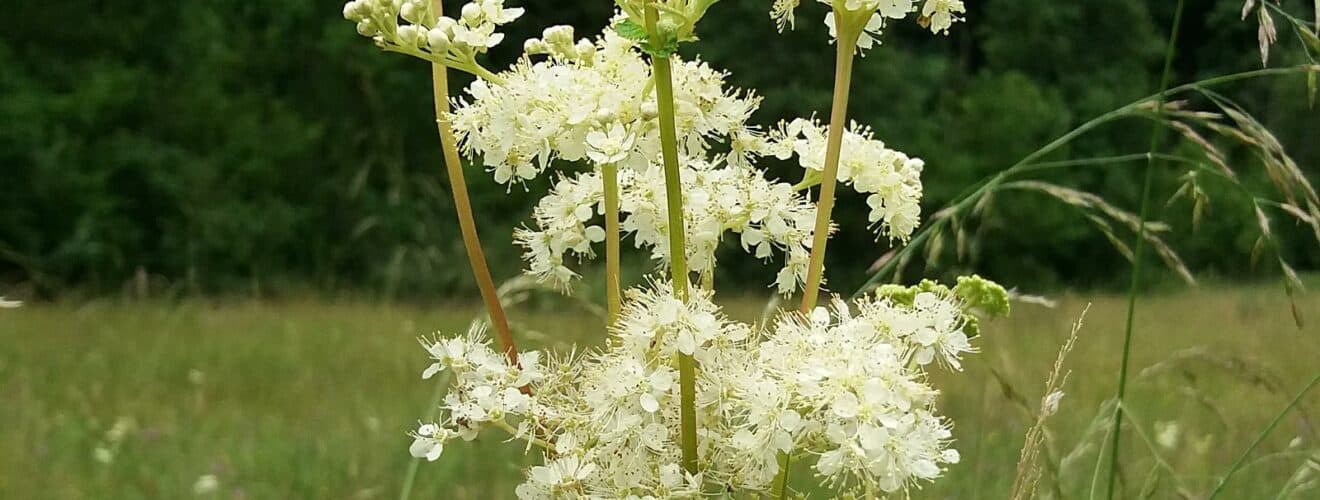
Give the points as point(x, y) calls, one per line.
point(466, 223)
point(687, 370)
point(845, 50)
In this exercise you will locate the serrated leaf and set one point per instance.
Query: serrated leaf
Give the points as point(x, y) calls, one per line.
point(630, 30)
point(665, 50)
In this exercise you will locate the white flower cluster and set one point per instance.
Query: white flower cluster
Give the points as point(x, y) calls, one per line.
point(848, 389)
point(486, 389)
point(892, 179)
point(718, 199)
point(936, 15)
point(422, 32)
point(593, 100)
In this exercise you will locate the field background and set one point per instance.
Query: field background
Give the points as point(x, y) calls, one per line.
point(229, 222)
point(313, 400)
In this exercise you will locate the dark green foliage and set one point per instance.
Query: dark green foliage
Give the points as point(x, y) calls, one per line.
point(228, 145)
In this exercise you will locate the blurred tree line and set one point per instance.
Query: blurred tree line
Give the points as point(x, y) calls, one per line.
point(225, 145)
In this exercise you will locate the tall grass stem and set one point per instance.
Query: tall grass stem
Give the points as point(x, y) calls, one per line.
point(1219, 488)
point(1156, 137)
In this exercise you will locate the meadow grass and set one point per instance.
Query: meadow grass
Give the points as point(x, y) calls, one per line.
point(313, 400)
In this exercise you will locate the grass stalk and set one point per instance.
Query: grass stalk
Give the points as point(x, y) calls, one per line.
point(463, 205)
point(844, 55)
point(970, 196)
point(687, 371)
point(1219, 487)
point(1156, 137)
point(613, 287)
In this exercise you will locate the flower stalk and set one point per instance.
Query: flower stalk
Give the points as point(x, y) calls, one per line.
point(849, 30)
point(613, 290)
point(463, 205)
point(664, 86)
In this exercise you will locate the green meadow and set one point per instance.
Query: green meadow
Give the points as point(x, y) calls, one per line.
point(117, 399)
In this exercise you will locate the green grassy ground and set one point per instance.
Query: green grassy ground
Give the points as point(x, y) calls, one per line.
point(301, 400)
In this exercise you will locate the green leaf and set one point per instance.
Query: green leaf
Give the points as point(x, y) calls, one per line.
point(630, 30)
point(1311, 85)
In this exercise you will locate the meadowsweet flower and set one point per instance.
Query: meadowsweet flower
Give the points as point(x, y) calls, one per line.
point(609, 147)
point(429, 442)
point(941, 14)
point(769, 217)
point(870, 31)
point(412, 27)
point(891, 178)
point(544, 110)
point(869, 16)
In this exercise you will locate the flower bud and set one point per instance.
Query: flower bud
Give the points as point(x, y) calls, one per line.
point(353, 10)
point(558, 36)
point(535, 47)
point(586, 50)
point(649, 110)
point(471, 13)
point(409, 12)
point(409, 36)
point(447, 24)
point(438, 39)
point(367, 28)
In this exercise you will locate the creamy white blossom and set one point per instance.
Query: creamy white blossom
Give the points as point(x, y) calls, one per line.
point(844, 385)
point(412, 27)
point(769, 217)
point(891, 178)
point(871, 15)
point(941, 14)
point(545, 110)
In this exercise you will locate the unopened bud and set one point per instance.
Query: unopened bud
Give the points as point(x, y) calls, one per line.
point(438, 39)
point(367, 28)
point(535, 47)
point(471, 13)
point(586, 50)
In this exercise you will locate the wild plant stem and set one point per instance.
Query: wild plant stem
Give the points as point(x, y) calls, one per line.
point(610, 177)
point(687, 370)
point(1156, 137)
point(1261, 437)
point(845, 48)
point(410, 477)
point(466, 224)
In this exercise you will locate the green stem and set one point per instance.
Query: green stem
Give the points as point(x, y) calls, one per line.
point(610, 178)
point(1261, 437)
point(463, 205)
point(504, 426)
point(410, 477)
point(1156, 137)
point(845, 50)
point(687, 371)
point(780, 488)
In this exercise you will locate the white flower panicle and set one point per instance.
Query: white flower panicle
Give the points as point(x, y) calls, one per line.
point(848, 388)
point(412, 27)
point(891, 178)
point(586, 96)
point(936, 15)
point(844, 386)
point(769, 217)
